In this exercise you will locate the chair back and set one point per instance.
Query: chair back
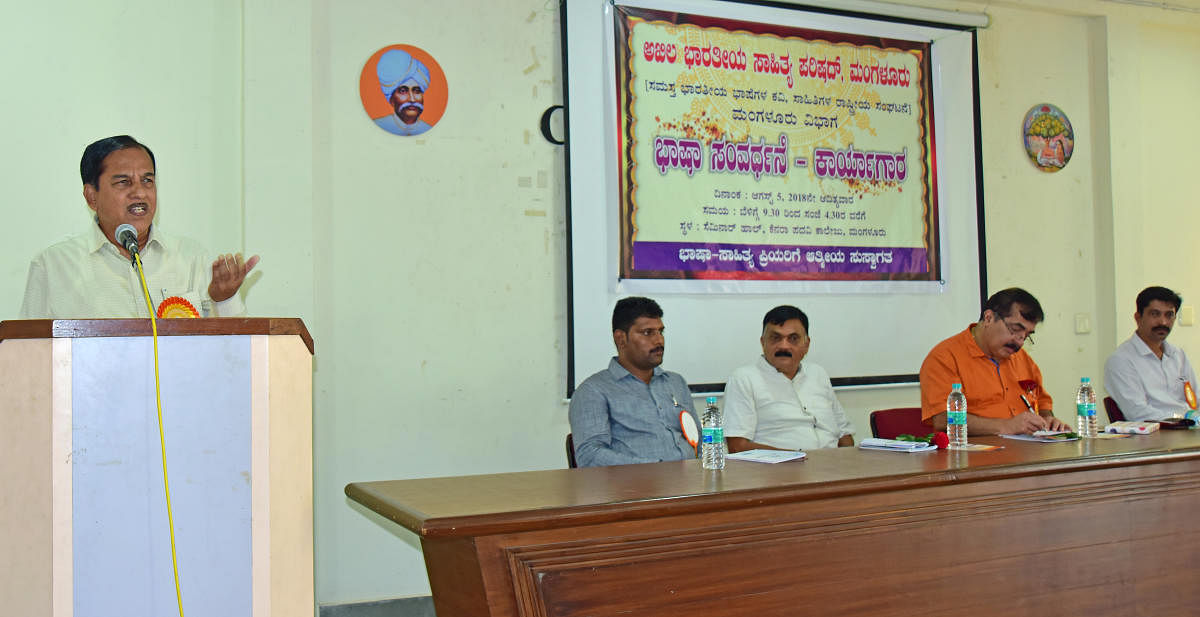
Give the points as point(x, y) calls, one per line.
point(1114, 412)
point(887, 423)
point(571, 452)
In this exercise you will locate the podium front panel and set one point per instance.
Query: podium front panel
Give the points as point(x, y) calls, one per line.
point(121, 541)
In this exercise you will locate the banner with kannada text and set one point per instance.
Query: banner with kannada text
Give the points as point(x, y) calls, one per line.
point(751, 151)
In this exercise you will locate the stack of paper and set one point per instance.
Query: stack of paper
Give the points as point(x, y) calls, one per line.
point(895, 445)
point(1046, 436)
point(766, 456)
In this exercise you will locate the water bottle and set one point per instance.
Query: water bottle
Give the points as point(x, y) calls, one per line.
point(1085, 407)
point(956, 417)
point(712, 436)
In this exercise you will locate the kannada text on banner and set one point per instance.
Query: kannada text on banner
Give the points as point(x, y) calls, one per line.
point(751, 151)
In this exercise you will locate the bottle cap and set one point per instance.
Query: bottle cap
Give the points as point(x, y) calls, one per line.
point(1086, 380)
point(712, 400)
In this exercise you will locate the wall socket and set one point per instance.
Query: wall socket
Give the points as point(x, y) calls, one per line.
point(1083, 323)
point(1186, 315)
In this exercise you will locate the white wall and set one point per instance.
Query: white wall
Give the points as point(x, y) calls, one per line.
point(1041, 226)
point(1157, 223)
point(430, 269)
point(75, 72)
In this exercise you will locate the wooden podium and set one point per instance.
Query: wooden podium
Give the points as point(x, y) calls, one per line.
point(83, 523)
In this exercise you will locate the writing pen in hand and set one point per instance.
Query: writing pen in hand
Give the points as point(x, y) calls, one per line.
point(1030, 408)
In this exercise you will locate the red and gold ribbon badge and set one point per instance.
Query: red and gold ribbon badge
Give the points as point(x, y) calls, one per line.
point(1189, 394)
point(176, 307)
point(1031, 390)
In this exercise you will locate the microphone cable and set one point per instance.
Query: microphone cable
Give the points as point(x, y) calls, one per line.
point(162, 443)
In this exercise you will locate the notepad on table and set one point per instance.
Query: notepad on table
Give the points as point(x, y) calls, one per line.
point(895, 445)
point(766, 456)
point(1046, 436)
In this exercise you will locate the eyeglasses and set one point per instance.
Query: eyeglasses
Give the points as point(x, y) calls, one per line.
point(1019, 330)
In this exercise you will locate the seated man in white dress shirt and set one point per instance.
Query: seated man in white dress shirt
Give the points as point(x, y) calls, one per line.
point(1149, 378)
point(781, 402)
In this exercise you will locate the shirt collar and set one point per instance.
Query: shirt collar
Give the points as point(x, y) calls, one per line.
point(98, 240)
point(618, 372)
point(1144, 350)
point(770, 369)
point(972, 345)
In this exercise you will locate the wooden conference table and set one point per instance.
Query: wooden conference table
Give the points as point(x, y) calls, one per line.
point(1093, 527)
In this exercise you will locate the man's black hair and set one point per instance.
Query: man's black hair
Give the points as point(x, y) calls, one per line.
point(1002, 301)
point(782, 314)
point(628, 310)
point(1161, 294)
point(92, 163)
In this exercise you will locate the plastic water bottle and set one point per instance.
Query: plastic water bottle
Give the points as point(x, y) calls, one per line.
point(1085, 407)
point(712, 436)
point(956, 417)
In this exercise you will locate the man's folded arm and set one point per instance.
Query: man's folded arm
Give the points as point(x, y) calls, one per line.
point(592, 433)
point(1022, 423)
point(845, 427)
point(740, 416)
point(1124, 385)
point(937, 375)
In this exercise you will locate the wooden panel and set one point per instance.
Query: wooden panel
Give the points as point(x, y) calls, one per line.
point(820, 557)
point(291, 481)
point(62, 460)
point(1099, 526)
point(85, 328)
point(26, 509)
point(281, 384)
point(458, 575)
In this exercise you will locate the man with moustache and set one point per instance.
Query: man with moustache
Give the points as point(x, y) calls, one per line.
point(781, 402)
point(987, 359)
point(1147, 377)
point(632, 412)
point(403, 80)
point(89, 276)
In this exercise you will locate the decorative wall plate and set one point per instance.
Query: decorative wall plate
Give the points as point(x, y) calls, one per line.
point(1049, 138)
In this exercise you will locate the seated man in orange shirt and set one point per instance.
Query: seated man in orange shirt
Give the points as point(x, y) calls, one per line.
point(988, 361)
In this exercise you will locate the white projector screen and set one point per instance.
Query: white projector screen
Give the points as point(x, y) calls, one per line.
point(863, 331)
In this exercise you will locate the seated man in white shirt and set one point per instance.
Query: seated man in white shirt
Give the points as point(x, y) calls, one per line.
point(90, 275)
point(1149, 378)
point(780, 402)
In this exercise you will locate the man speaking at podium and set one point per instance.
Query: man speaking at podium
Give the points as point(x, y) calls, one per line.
point(90, 275)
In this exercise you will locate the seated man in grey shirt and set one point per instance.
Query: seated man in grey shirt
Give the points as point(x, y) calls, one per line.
point(631, 412)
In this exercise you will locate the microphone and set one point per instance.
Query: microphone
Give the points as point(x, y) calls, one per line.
point(127, 237)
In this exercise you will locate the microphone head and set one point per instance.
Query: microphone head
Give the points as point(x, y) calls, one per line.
point(125, 234)
point(127, 237)
point(125, 228)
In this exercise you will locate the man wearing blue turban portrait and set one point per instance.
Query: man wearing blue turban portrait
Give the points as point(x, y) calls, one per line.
point(403, 80)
